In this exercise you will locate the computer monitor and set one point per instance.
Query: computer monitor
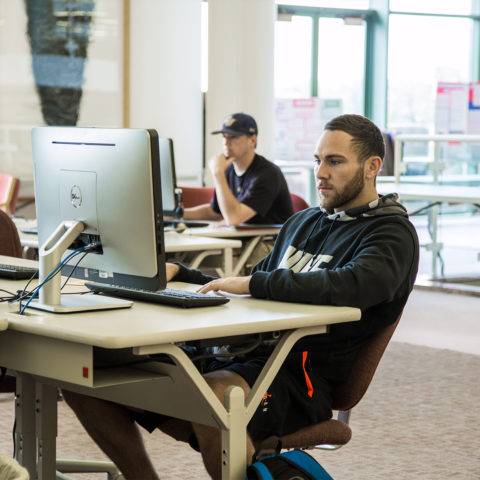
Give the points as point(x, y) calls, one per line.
point(101, 186)
point(169, 179)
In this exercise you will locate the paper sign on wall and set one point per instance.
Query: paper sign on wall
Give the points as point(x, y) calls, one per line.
point(299, 123)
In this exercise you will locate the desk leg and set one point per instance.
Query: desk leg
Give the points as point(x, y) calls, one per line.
point(25, 445)
point(247, 251)
point(436, 246)
point(46, 426)
point(227, 262)
point(234, 440)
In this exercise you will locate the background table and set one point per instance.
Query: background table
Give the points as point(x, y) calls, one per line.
point(250, 236)
point(434, 195)
point(205, 246)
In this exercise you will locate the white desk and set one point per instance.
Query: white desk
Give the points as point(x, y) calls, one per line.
point(467, 179)
point(250, 235)
point(434, 194)
point(51, 351)
point(174, 242)
point(435, 141)
point(206, 246)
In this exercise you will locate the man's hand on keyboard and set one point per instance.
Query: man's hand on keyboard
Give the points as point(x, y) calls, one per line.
point(236, 285)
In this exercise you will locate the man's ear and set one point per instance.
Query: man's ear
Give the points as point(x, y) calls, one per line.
point(372, 167)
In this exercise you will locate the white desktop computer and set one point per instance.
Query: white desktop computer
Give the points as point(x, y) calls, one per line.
point(100, 187)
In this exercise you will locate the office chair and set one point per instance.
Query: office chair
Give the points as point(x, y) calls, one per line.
point(11, 247)
point(298, 203)
point(9, 188)
point(9, 239)
point(334, 433)
point(193, 196)
point(388, 160)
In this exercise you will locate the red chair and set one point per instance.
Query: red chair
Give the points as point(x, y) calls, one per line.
point(9, 188)
point(11, 247)
point(193, 196)
point(332, 434)
point(298, 203)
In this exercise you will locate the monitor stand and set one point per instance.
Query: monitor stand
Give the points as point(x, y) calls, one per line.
point(50, 256)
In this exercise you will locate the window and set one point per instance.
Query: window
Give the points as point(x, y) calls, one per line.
point(358, 4)
point(456, 7)
point(417, 62)
point(293, 53)
point(344, 54)
point(341, 64)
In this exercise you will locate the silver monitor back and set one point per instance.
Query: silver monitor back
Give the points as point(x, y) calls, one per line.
point(109, 179)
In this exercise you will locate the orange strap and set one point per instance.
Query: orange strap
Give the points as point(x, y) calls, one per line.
point(307, 378)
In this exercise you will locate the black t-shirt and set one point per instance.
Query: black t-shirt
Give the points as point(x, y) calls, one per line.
point(263, 188)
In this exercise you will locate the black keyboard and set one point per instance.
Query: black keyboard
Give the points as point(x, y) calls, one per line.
point(178, 298)
point(17, 272)
point(188, 223)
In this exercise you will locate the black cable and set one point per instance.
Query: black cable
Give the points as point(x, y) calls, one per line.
point(203, 356)
point(57, 270)
point(6, 299)
point(74, 268)
point(24, 293)
point(235, 353)
point(427, 207)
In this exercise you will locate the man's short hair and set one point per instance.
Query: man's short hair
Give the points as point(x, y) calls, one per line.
point(367, 138)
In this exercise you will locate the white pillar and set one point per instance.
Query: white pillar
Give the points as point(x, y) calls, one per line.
point(165, 77)
point(240, 67)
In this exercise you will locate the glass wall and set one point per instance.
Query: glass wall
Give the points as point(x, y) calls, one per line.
point(384, 59)
point(341, 64)
point(429, 41)
point(293, 53)
point(424, 50)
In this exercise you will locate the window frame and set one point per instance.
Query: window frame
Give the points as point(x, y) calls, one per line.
point(376, 48)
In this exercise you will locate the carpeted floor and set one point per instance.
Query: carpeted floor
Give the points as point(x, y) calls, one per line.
point(417, 421)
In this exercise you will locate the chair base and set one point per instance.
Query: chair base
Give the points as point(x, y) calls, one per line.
point(328, 435)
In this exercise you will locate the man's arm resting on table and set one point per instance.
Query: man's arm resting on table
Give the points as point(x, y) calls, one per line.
point(201, 212)
point(233, 211)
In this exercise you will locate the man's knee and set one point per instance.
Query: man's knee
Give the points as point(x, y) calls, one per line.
point(220, 380)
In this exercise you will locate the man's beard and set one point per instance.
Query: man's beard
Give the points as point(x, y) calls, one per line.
point(351, 190)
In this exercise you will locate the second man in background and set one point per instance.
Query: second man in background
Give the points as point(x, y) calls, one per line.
point(248, 187)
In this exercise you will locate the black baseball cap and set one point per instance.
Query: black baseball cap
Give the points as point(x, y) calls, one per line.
point(238, 124)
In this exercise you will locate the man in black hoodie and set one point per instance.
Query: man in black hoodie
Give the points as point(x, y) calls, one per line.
point(357, 249)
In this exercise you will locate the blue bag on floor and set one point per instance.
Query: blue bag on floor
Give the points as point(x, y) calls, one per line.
point(294, 464)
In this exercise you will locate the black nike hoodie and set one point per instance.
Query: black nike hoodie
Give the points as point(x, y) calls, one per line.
point(365, 257)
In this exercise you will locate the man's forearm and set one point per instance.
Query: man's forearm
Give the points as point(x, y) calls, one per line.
point(233, 211)
point(201, 212)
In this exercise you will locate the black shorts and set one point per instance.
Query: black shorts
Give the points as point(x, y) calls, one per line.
point(296, 398)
